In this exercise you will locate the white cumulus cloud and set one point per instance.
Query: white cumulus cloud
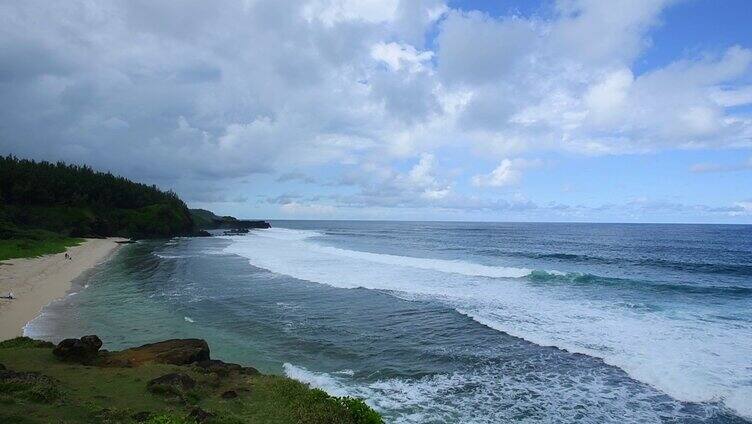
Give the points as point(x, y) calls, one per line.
point(508, 173)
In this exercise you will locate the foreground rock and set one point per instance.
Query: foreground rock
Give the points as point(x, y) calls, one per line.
point(173, 352)
point(82, 351)
point(29, 385)
point(225, 368)
point(199, 415)
point(171, 384)
point(230, 394)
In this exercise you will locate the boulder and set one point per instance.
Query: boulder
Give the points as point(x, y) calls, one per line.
point(199, 415)
point(217, 366)
point(230, 394)
point(222, 368)
point(83, 350)
point(171, 384)
point(174, 352)
point(93, 341)
point(249, 371)
point(30, 385)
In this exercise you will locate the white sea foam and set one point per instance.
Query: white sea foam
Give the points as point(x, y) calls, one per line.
point(441, 265)
point(166, 256)
point(492, 395)
point(319, 380)
point(684, 352)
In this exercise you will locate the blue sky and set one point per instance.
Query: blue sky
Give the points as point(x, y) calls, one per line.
point(568, 110)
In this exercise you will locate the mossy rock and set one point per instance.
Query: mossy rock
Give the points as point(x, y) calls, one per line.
point(31, 386)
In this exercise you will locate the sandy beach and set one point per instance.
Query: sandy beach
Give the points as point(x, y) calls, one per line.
point(36, 282)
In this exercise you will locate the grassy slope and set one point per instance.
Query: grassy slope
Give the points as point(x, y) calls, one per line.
point(114, 395)
point(34, 243)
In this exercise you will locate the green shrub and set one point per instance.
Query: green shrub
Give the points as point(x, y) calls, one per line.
point(361, 413)
point(24, 342)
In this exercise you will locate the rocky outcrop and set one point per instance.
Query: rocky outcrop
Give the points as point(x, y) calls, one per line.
point(230, 394)
point(207, 220)
point(30, 385)
point(174, 352)
point(242, 223)
point(171, 384)
point(83, 350)
point(199, 415)
point(225, 368)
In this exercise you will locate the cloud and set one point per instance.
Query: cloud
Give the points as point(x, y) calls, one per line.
point(332, 12)
point(716, 167)
point(196, 97)
point(508, 173)
point(423, 184)
point(296, 209)
point(475, 48)
point(548, 84)
point(742, 208)
point(295, 176)
point(399, 56)
point(604, 33)
point(731, 97)
point(422, 178)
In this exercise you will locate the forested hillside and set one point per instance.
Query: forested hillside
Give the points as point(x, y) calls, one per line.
point(76, 201)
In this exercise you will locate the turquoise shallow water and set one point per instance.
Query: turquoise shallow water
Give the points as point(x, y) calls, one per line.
point(453, 322)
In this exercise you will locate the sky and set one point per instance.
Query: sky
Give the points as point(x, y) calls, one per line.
point(555, 110)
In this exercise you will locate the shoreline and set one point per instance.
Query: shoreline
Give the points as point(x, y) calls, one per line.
point(36, 282)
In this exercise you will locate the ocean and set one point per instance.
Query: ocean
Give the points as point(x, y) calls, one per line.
point(435, 322)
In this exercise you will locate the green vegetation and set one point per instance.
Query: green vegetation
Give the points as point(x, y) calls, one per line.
point(38, 388)
point(203, 219)
point(15, 243)
point(70, 201)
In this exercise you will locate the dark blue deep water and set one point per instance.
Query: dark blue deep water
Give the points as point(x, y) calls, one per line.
point(453, 322)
